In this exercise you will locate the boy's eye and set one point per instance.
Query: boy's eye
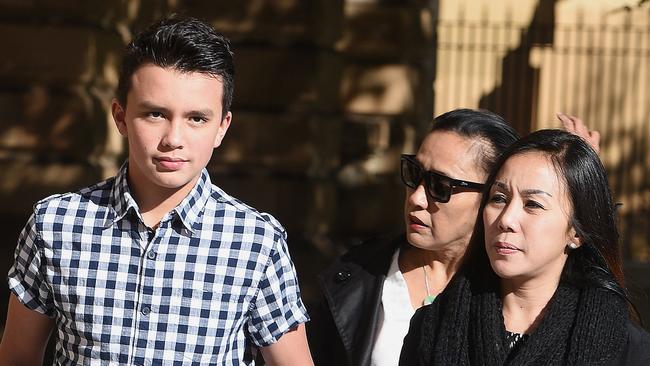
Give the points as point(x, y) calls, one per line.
point(198, 119)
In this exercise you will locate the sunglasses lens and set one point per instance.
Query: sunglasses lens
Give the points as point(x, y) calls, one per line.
point(411, 173)
point(439, 189)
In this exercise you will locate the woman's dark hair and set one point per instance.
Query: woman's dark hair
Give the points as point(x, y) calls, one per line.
point(481, 125)
point(597, 262)
point(184, 44)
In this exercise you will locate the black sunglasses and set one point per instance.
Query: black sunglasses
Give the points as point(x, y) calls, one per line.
point(437, 186)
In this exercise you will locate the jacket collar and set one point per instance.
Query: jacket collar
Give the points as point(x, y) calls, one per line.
point(353, 287)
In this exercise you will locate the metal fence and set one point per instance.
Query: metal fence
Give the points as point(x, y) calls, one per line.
point(527, 73)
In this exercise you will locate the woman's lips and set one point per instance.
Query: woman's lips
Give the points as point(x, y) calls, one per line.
point(417, 224)
point(505, 248)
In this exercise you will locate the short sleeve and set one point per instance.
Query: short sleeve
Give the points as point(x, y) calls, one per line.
point(278, 306)
point(26, 278)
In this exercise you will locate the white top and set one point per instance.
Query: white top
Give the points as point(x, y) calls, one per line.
point(394, 317)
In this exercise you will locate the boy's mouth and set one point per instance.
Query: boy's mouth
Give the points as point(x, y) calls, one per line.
point(169, 163)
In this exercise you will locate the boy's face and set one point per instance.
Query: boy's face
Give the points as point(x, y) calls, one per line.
point(172, 122)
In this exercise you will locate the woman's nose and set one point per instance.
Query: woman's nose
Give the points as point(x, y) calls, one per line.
point(418, 197)
point(508, 218)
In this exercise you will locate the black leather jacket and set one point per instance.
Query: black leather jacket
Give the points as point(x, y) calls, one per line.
point(343, 324)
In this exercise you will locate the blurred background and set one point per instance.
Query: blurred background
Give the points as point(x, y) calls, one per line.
point(328, 93)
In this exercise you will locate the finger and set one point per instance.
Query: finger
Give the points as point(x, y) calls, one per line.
point(594, 140)
point(592, 137)
point(580, 126)
point(567, 123)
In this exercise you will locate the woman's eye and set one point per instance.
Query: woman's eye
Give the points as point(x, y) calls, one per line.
point(533, 204)
point(497, 198)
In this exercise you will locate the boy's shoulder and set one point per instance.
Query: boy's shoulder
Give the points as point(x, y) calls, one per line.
point(93, 197)
point(240, 211)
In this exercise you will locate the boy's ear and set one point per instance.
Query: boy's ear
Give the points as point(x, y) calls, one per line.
point(223, 128)
point(119, 115)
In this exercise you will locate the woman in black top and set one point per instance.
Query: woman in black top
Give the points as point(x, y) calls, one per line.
point(543, 282)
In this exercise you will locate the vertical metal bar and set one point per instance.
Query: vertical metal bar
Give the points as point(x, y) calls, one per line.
point(590, 102)
point(460, 58)
point(535, 80)
point(500, 28)
point(600, 105)
point(443, 83)
point(639, 152)
point(613, 107)
point(578, 61)
point(646, 133)
point(626, 128)
point(548, 87)
point(565, 72)
point(471, 76)
point(484, 50)
point(521, 85)
point(450, 69)
point(506, 75)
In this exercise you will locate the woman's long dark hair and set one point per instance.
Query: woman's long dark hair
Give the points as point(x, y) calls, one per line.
point(597, 262)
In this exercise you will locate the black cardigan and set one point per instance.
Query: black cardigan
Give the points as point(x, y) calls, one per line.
point(635, 352)
point(343, 324)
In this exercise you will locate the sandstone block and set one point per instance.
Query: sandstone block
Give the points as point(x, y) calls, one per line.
point(379, 89)
point(390, 31)
point(98, 12)
point(24, 181)
point(296, 144)
point(58, 55)
point(369, 134)
point(372, 209)
point(303, 206)
point(286, 78)
point(274, 21)
point(71, 123)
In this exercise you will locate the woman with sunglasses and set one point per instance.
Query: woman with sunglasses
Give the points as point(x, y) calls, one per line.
point(542, 283)
point(370, 294)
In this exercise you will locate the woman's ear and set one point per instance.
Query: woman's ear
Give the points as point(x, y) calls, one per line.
point(574, 239)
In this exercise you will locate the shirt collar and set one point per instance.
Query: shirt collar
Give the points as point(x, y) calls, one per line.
point(188, 211)
point(191, 207)
point(121, 199)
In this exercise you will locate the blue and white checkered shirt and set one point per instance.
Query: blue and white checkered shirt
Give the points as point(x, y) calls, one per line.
point(211, 283)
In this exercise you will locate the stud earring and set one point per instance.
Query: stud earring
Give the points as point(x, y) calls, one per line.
point(572, 245)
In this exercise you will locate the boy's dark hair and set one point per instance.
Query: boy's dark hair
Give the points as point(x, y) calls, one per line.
point(184, 44)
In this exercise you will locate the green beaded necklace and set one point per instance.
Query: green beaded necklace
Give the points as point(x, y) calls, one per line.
point(429, 298)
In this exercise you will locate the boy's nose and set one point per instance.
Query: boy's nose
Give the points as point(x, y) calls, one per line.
point(173, 137)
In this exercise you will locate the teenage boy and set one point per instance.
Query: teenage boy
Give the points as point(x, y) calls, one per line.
point(157, 266)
